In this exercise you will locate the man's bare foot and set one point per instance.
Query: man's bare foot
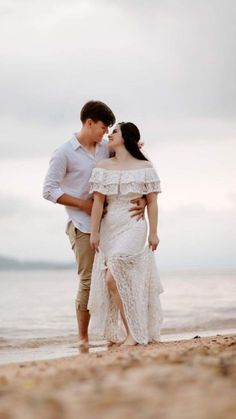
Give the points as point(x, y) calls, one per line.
point(83, 349)
point(83, 342)
point(129, 341)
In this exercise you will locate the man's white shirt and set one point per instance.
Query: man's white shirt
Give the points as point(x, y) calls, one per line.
point(69, 172)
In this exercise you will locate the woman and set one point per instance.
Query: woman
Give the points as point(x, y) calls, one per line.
point(124, 297)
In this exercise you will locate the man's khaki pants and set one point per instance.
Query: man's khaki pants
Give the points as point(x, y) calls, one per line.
point(84, 258)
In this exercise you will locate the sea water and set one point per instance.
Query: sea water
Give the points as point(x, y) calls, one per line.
point(37, 310)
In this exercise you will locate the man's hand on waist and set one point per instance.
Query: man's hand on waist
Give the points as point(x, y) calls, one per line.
point(138, 210)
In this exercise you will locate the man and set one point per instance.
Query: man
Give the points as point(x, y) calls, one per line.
point(67, 183)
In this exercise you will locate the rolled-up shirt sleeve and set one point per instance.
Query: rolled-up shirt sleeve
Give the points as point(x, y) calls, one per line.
point(56, 172)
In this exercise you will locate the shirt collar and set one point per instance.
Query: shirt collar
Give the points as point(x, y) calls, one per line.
point(75, 142)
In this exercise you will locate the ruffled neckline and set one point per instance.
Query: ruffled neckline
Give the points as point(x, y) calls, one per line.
point(116, 181)
point(124, 170)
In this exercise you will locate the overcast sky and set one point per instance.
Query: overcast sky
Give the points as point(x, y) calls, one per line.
point(168, 66)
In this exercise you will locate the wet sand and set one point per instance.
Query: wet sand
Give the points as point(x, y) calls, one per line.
point(192, 379)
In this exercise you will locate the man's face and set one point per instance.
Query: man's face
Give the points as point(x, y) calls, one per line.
point(98, 130)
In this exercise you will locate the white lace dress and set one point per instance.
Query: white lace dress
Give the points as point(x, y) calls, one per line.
point(124, 251)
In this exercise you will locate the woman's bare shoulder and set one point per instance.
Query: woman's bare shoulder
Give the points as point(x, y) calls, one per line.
point(145, 164)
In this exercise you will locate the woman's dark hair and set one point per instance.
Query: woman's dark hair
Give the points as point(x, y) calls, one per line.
point(131, 136)
point(97, 111)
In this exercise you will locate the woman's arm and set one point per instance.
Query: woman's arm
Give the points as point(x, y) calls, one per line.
point(96, 216)
point(152, 210)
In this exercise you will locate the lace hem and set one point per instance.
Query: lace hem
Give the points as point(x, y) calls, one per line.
point(139, 286)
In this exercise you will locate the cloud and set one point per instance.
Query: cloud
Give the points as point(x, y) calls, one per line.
point(195, 238)
point(176, 59)
point(10, 206)
point(191, 237)
point(169, 66)
point(23, 139)
point(196, 211)
point(232, 199)
point(195, 173)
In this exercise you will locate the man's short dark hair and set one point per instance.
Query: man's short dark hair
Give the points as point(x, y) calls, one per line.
point(97, 111)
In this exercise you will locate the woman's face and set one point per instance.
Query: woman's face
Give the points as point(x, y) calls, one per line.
point(115, 138)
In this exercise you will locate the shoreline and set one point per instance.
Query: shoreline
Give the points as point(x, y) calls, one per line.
point(28, 350)
point(193, 378)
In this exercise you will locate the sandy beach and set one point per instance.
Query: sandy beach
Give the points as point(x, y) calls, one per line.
point(193, 378)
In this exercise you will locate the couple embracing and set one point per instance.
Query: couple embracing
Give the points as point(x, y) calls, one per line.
point(105, 199)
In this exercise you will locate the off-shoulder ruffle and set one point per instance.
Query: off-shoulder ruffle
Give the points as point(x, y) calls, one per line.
point(112, 182)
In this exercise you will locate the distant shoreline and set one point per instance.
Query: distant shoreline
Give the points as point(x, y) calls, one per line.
point(47, 266)
point(11, 264)
point(37, 266)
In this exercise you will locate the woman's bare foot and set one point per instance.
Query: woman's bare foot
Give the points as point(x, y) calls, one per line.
point(129, 341)
point(110, 343)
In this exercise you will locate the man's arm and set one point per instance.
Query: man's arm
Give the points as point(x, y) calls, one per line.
point(52, 184)
point(71, 201)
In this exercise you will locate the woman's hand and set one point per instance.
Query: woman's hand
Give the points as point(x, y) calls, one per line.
point(94, 241)
point(153, 241)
